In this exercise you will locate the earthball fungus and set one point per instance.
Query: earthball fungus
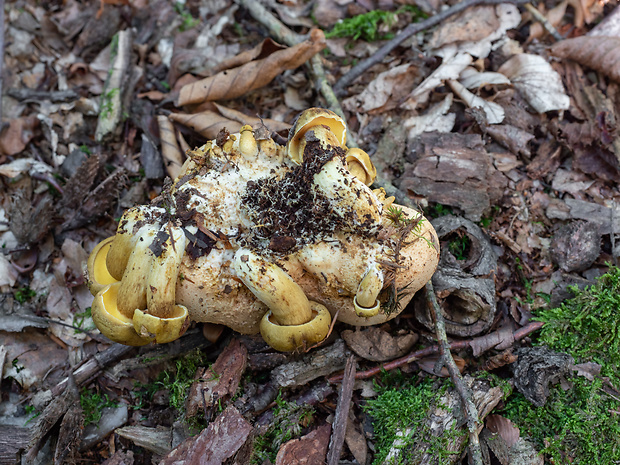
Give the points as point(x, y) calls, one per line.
point(263, 237)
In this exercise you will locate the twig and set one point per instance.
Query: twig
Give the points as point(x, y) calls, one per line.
point(538, 16)
point(471, 412)
point(283, 34)
point(339, 426)
point(409, 31)
point(431, 350)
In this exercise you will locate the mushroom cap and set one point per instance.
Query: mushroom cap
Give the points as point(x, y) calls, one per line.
point(292, 337)
point(98, 274)
point(112, 323)
point(161, 330)
point(308, 119)
point(360, 166)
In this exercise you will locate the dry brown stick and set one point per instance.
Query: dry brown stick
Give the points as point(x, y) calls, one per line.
point(339, 426)
point(409, 31)
point(431, 350)
point(471, 412)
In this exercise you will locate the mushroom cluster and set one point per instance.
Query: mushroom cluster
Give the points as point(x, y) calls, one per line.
point(263, 237)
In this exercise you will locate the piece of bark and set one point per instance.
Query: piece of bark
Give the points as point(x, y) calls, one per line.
point(536, 369)
point(235, 82)
point(453, 169)
point(522, 452)
point(339, 426)
point(111, 112)
point(546, 161)
point(157, 440)
point(307, 450)
point(355, 440)
point(575, 246)
point(151, 159)
point(465, 288)
point(444, 418)
point(120, 457)
point(13, 441)
point(514, 139)
point(215, 444)
point(373, 343)
point(317, 363)
point(606, 218)
point(220, 381)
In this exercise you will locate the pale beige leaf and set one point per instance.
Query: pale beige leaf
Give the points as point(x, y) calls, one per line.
point(170, 151)
point(206, 123)
point(262, 50)
point(253, 75)
point(493, 111)
point(473, 79)
point(598, 52)
point(537, 82)
point(435, 119)
point(385, 92)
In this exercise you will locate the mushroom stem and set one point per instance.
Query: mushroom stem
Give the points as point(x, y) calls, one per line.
point(365, 301)
point(274, 287)
point(133, 288)
point(247, 143)
point(126, 236)
point(162, 278)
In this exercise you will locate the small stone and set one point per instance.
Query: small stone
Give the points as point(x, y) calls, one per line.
point(576, 246)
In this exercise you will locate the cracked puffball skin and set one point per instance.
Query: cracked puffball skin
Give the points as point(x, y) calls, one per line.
point(263, 237)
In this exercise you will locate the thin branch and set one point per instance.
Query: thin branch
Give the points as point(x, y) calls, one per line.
point(432, 350)
point(409, 31)
point(471, 412)
point(538, 16)
point(339, 425)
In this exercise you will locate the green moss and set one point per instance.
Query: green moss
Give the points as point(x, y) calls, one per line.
point(92, 404)
point(580, 425)
point(24, 294)
point(288, 420)
point(367, 26)
point(398, 413)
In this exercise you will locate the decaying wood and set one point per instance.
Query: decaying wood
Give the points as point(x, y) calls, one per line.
point(466, 288)
point(339, 426)
point(470, 410)
point(318, 363)
point(111, 112)
point(442, 418)
point(157, 440)
point(514, 451)
point(307, 450)
point(215, 444)
point(453, 169)
point(600, 215)
point(14, 441)
point(218, 382)
point(536, 369)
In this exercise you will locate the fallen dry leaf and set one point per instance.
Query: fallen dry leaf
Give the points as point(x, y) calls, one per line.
point(170, 151)
point(536, 80)
point(254, 75)
point(598, 52)
point(553, 16)
point(15, 137)
point(504, 427)
point(494, 112)
point(473, 24)
point(435, 119)
point(253, 121)
point(262, 50)
point(207, 123)
point(385, 92)
point(377, 345)
point(473, 79)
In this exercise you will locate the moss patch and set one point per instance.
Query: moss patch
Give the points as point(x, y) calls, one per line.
point(581, 424)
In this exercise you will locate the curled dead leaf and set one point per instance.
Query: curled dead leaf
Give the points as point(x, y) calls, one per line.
point(504, 427)
point(377, 345)
point(206, 123)
point(235, 82)
point(173, 158)
point(597, 52)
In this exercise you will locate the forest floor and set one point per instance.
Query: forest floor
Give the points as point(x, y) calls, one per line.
point(499, 122)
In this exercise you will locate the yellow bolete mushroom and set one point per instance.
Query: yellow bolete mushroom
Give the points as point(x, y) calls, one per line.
point(263, 238)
